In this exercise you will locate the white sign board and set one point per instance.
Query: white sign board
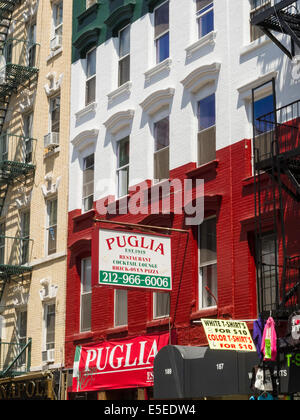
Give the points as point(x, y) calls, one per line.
point(135, 260)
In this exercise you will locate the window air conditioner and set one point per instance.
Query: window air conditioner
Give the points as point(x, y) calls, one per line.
point(56, 42)
point(48, 356)
point(51, 141)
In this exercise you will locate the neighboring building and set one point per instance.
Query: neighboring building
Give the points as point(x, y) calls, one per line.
point(34, 93)
point(166, 90)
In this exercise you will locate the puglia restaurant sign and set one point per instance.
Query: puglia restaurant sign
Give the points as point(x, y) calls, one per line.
point(135, 260)
point(117, 364)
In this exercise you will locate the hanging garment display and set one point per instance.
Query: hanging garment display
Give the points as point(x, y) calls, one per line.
point(269, 341)
point(258, 330)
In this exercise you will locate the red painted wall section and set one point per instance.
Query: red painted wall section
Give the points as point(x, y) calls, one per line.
point(229, 194)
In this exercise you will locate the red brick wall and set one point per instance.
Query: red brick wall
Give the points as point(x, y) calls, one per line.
point(229, 194)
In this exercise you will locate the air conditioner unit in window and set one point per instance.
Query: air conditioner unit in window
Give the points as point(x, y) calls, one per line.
point(51, 141)
point(48, 356)
point(56, 42)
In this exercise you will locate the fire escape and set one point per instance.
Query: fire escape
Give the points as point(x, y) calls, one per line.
point(280, 17)
point(18, 70)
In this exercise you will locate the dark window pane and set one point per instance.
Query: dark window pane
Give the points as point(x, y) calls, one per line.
point(123, 153)
point(207, 112)
point(206, 23)
point(161, 134)
point(203, 3)
point(161, 19)
point(124, 70)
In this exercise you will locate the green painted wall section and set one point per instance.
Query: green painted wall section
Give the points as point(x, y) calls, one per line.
point(102, 21)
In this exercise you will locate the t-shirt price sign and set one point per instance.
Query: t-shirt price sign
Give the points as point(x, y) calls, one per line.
point(228, 335)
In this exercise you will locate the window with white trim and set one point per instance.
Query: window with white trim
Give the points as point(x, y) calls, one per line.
point(90, 85)
point(162, 32)
point(27, 145)
point(21, 335)
point(206, 129)
point(121, 308)
point(205, 17)
point(208, 277)
point(161, 305)
point(49, 326)
point(57, 11)
point(123, 148)
point(25, 234)
point(51, 227)
point(124, 55)
point(88, 183)
point(86, 295)
point(162, 150)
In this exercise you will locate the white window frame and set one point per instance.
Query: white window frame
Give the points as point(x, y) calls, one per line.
point(202, 12)
point(155, 297)
point(82, 293)
point(51, 109)
point(122, 168)
point(157, 152)
point(83, 170)
point(48, 227)
point(200, 266)
point(93, 76)
point(156, 38)
point(124, 56)
point(46, 307)
point(56, 28)
point(116, 307)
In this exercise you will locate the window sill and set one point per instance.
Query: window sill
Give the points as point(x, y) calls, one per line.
point(204, 313)
point(159, 68)
point(91, 108)
point(117, 330)
point(209, 39)
point(258, 43)
point(54, 54)
point(50, 153)
point(157, 322)
point(125, 89)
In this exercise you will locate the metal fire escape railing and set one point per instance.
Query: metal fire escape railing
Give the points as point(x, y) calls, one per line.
point(15, 254)
point(280, 17)
point(277, 177)
point(15, 358)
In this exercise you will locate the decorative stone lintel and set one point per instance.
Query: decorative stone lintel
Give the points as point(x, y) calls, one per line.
point(157, 100)
point(200, 77)
point(119, 121)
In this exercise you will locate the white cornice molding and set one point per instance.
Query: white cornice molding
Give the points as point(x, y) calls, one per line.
point(246, 90)
point(202, 76)
point(119, 121)
point(85, 139)
point(157, 100)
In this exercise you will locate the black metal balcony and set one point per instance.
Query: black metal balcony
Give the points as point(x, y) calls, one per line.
point(282, 16)
point(15, 358)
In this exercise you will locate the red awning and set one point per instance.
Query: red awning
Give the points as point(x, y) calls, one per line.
point(117, 364)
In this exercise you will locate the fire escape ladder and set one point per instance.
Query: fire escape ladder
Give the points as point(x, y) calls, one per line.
point(282, 17)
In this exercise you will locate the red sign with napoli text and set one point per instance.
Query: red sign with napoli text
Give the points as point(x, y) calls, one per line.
point(117, 364)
